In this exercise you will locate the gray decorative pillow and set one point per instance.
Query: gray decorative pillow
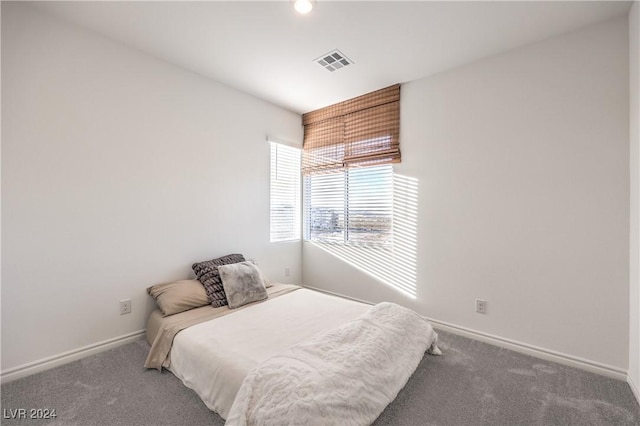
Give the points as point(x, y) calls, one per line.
point(207, 274)
point(242, 284)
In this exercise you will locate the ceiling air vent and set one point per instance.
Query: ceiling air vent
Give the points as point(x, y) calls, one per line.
point(333, 60)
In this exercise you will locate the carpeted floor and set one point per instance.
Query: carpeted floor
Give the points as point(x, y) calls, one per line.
point(473, 383)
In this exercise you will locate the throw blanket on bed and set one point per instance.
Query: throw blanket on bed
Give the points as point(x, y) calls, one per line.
point(345, 376)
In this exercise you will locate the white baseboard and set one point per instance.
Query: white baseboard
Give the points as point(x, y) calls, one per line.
point(535, 351)
point(43, 364)
point(337, 294)
point(542, 353)
point(634, 389)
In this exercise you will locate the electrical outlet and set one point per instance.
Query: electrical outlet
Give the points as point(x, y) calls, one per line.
point(481, 306)
point(125, 306)
point(287, 272)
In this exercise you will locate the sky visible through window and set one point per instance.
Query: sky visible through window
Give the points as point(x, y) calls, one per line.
point(350, 205)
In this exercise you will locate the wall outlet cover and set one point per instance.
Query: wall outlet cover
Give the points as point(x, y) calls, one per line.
point(125, 306)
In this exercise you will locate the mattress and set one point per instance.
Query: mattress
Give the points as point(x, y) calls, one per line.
point(215, 356)
point(156, 320)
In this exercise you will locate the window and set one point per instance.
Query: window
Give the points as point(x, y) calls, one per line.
point(348, 178)
point(350, 206)
point(285, 193)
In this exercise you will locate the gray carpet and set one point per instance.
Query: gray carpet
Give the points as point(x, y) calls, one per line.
point(472, 384)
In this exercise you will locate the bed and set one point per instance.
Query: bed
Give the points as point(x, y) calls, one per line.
point(258, 351)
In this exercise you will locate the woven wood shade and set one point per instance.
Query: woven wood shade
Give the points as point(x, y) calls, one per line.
point(359, 132)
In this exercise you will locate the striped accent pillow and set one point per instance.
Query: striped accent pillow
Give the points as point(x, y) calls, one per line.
point(207, 273)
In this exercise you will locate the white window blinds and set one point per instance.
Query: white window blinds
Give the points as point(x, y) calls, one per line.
point(285, 193)
point(350, 206)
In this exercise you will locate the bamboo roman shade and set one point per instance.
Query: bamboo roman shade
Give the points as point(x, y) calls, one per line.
point(362, 131)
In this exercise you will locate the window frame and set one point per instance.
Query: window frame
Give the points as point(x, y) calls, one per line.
point(293, 171)
point(348, 194)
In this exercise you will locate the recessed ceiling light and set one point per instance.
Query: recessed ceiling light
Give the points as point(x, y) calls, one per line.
point(303, 6)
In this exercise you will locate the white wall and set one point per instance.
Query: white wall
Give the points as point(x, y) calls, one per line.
point(118, 172)
point(523, 185)
point(634, 262)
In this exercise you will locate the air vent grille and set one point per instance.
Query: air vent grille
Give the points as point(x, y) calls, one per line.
point(333, 60)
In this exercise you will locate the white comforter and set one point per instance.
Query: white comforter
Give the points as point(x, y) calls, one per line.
point(214, 357)
point(345, 376)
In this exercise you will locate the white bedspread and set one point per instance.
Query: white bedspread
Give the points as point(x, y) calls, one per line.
point(214, 357)
point(345, 376)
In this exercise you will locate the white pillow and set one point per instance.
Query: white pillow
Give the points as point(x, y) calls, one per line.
point(242, 283)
